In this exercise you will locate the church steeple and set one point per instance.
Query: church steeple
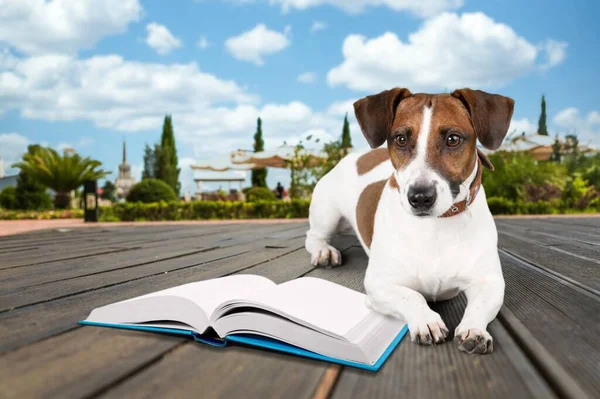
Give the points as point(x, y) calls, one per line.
point(124, 181)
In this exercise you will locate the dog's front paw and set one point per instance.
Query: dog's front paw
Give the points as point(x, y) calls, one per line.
point(474, 341)
point(429, 329)
point(326, 256)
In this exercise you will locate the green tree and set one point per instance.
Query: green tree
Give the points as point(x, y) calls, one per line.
point(166, 157)
point(30, 194)
point(61, 173)
point(346, 137)
point(108, 191)
point(259, 176)
point(149, 171)
point(556, 151)
point(8, 198)
point(542, 128)
point(573, 158)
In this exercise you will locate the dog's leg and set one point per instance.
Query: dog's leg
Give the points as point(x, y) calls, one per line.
point(426, 326)
point(324, 218)
point(484, 302)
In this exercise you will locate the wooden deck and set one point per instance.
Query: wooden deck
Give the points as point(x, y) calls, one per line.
point(546, 336)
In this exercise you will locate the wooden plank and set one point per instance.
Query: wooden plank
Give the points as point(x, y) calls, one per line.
point(559, 225)
point(77, 250)
point(233, 372)
point(46, 292)
point(581, 270)
point(90, 378)
point(26, 276)
point(552, 231)
point(564, 242)
point(441, 371)
point(297, 264)
point(563, 319)
point(30, 324)
point(77, 363)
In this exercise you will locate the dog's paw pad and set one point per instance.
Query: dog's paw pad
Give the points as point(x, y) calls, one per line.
point(431, 330)
point(474, 341)
point(327, 257)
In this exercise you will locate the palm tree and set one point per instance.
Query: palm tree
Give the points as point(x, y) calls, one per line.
point(61, 173)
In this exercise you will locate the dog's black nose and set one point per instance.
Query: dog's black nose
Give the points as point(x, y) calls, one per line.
point(422, 197)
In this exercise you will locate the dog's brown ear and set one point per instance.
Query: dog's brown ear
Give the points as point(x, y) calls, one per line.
point(375, 114)
point(490, 115)
point(485, 161)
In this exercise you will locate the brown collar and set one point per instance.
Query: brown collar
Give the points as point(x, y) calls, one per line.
point(461, 206)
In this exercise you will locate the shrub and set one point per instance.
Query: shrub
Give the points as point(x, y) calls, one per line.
point(516, 174)
point(260, 194)
point(8, 198)
point(151, 190)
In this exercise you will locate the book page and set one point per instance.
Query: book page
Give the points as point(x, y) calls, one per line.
point(209, 294)
point(315, 302)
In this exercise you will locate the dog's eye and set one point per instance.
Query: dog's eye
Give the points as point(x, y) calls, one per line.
point(400, 140)
point(453, 140)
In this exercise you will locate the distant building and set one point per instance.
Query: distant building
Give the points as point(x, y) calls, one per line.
point(538, 146)
point(124, 181)
point(6, 181)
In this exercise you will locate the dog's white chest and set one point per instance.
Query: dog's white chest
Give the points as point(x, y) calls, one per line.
point(432, 267)
point(436, 257)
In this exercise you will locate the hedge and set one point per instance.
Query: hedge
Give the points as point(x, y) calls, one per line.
point(203, 210)
point(503, 206)
point(41, 215)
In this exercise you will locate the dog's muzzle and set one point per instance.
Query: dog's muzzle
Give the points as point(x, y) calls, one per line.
point(422, 198)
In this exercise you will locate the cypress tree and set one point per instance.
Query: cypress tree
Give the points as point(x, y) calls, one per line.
point(259, 176)
point(346, 138)
point(542, 128)
point(166, 158)
point(149, 163)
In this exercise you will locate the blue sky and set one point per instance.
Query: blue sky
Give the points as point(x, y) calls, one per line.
point(88, 74)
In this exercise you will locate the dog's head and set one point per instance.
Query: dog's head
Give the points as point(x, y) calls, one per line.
point(431, 139)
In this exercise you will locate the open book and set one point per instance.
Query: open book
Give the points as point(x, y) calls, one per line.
point(308, 317)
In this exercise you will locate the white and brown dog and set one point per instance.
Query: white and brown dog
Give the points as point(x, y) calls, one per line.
point(419, 210)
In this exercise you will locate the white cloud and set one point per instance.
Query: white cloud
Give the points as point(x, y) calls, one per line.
point(420, 8)
point(85, 141)
point(12, 147)
point(586, 127)
point(81, 143)
point(318, 26)
point(307, 77)
point(132, 96)
point(203, 42)
point(446, 52)
point(254, 44)
point(518, 126)
point(556, 52)
point(64, 26)
point(341, 108)
point(110, 91)
point(161, 39)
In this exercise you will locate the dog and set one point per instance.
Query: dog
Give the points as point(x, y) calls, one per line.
point(418, 209)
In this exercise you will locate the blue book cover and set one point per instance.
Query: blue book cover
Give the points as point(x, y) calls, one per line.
point(260, 342)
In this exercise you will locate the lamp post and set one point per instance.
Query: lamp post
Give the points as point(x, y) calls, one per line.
point(90, 195)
